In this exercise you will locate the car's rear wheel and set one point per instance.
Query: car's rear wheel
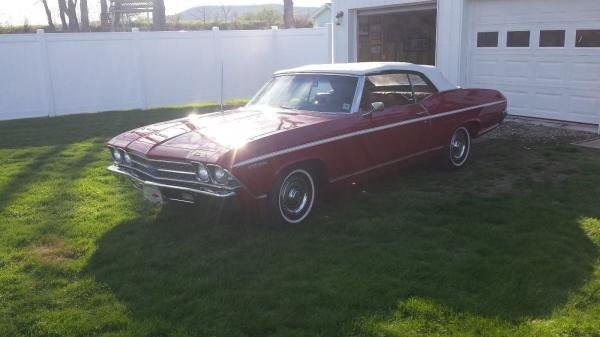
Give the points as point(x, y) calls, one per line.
point(458, 149)
point(293, 196)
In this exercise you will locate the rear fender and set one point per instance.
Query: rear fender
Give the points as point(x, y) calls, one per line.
point(484, 114)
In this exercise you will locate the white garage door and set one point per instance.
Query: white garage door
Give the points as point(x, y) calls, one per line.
point(544, 55)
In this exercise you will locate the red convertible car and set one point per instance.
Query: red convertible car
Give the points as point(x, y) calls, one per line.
point(307, 129)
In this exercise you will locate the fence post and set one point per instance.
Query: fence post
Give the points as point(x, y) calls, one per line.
point(139, 68)
point(46, 71)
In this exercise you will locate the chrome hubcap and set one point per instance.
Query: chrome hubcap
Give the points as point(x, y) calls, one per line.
point(295, 196)
point(459, 146)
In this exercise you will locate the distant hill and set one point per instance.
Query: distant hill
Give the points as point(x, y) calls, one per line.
point(219, 13)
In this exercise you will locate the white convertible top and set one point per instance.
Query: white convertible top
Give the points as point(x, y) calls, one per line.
point(369, 68)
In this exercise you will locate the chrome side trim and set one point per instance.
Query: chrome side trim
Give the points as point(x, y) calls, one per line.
point(360, 132)
point(181, 200)
point(178, 172)
point(360, 87)
point(225, 194)
point(284, 73)
point(395, 161)
point(143, 165)
point(486, 130)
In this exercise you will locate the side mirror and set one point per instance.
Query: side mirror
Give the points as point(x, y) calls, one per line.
point(375, 107)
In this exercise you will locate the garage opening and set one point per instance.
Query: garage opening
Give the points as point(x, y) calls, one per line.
point(400, 35)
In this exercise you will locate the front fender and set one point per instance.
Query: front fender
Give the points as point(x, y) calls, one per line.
point(259, 177)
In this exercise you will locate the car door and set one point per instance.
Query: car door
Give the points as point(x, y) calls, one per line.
point(401, 130)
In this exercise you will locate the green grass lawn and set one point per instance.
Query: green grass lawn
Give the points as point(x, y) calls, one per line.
point(508, 246)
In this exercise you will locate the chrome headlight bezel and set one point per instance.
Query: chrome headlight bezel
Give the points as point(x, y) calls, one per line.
point(219, 175)
point(127, 158)
point(222, 177)
point(117, 155)
point(202, 173)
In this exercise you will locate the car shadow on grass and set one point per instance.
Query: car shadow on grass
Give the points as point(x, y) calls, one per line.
point(509, 256)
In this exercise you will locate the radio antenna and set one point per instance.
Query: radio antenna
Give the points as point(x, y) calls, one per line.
point(222, 79)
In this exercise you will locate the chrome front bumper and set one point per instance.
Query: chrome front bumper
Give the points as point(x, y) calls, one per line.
point(139, 183)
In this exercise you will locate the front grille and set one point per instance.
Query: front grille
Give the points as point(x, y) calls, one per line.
point(164, 169)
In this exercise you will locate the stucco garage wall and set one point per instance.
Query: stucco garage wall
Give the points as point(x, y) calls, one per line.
point(57, 74)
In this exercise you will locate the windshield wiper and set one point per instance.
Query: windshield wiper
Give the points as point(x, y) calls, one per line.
point(292, 110)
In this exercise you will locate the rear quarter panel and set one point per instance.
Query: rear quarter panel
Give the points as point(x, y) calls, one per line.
point(481, 109)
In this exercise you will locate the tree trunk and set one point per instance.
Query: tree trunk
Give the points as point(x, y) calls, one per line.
point(288, 14)
point(85, 20)
point(159, 18)
point(62, 7)
point(103, 14)
point(51, 26)
point(226, 11)
point(72, 14)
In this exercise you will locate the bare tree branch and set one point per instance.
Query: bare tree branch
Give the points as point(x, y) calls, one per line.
point(51, 26)
point(72, 14)
point(62, 7)
point(85, 20)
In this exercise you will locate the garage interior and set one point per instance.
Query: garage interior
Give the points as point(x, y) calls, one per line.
point(397, 36)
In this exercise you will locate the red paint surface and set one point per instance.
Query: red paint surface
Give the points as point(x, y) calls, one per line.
point(208, 138)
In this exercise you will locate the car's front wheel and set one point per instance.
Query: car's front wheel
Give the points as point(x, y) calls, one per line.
point(458, 149)
point(293, 196)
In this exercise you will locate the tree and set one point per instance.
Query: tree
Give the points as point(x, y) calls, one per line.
point(62, 9)
point(226, 11)
point(51, 26)
point(288, 13)
point(85, 21)
point(103, 14)
point(72, 15)
point(159, 18)
point(268, 16)
point(68, 10)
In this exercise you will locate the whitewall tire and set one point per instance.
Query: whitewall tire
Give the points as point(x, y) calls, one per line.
point(459, 148)
point(293, 197)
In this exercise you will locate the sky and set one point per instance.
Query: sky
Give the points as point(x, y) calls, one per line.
point(16, 11)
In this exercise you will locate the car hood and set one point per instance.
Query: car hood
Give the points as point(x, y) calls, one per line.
point(207, 137)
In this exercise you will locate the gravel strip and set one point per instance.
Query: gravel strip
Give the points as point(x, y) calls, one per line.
point(538, 132)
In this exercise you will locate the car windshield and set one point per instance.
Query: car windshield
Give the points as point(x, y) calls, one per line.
point(310, 92)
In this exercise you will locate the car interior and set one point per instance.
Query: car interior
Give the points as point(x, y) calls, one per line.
point(394, 90)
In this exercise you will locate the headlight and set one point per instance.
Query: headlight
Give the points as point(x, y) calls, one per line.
point(220, 175)
point(127, 158)
point(117, 155)
point(211, 173)
point(202, 173)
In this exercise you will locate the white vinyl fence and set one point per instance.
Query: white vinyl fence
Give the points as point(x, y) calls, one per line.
point(57, 74)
